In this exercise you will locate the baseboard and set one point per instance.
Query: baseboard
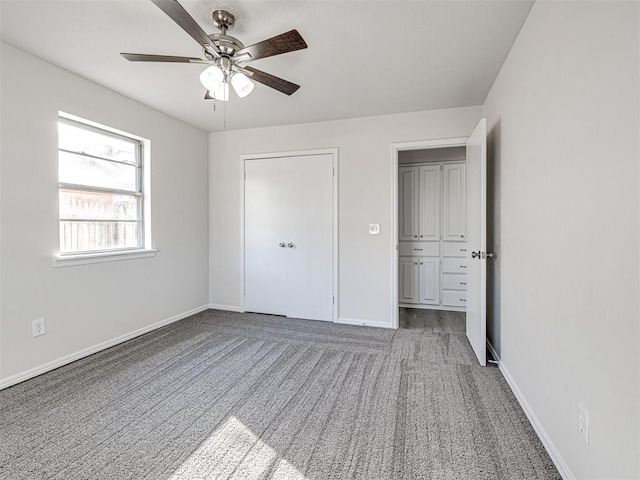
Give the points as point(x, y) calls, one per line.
point(551, 449)
point(493, 352)
point(363, 323)
point(34, 372)
point(226, 308)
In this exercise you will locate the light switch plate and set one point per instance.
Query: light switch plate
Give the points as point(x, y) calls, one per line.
point(374, 229)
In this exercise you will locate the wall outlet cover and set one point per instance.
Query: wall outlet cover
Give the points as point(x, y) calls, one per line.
point(38, 327)
point(583, 422)
point(374, 229)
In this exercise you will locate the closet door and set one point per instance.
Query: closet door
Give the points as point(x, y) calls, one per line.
point(265, 252)
point(408, 198)
point(310, 234)
point(429, 210)
point(454, 201)
point(289, 236)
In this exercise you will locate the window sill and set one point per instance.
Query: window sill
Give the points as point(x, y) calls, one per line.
point(88, 258)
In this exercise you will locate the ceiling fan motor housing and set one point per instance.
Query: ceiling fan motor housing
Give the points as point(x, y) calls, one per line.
point(227, 44)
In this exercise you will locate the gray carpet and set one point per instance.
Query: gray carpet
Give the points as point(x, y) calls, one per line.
point(222, 395)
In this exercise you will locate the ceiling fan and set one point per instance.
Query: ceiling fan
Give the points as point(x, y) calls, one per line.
point(226, 55)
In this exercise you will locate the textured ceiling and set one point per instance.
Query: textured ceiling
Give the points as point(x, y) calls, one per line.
point(364, 57)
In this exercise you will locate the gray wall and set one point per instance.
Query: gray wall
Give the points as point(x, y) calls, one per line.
point(563, 147)
point(364, 197)
point(88, 305)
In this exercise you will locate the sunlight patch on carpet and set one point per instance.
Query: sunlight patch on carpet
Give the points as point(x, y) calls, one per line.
point(234, 451)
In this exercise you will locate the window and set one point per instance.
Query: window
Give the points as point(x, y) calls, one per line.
point(100, 191)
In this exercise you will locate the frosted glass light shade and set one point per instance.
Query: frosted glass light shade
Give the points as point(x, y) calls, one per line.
point(241, 84)
point(221, 93)
point(212, 78)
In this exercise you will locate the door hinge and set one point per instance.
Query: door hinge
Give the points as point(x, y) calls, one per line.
point(333, 171)
point(334, 300)
point(245, 175)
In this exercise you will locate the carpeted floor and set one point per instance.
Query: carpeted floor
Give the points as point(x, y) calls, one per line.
point(224, 395)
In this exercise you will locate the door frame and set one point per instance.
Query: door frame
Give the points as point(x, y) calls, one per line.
point(396, 148)
point(333, 151)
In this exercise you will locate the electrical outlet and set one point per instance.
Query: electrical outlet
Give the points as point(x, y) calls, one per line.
point(583, 423)
point(38, 327)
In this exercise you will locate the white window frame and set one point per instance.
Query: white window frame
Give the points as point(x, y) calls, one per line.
point(143, 249)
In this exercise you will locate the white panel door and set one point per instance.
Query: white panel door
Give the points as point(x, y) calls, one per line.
point(408, 203)
point(310, 236)
point(454, 201)
point(289, 236)
point(476, 206)
point(265, 254)
point(429, 281)
point(429, 209)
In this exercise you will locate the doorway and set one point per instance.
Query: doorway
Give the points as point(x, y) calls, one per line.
point(439, 224)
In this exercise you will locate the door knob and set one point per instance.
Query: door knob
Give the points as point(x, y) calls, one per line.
point(490, 255)
point(281, 245)
point(290, 244)
point(475, 254)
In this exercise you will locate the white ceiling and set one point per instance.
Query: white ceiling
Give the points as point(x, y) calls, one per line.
point(364, 57)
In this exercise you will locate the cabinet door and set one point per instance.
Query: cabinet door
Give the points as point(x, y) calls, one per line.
point(408, 203)
point(429, 209)
point(408, 283)
point(429, 291)
point(454, 201)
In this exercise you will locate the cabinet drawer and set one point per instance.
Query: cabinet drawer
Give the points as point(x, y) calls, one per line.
point(454, 265)
point(419, 249)
point(454, 249)
point(451, 281)
point(451, 298)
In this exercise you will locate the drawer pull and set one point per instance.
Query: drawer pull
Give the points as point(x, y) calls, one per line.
point(463, 283)
point(418, 249)
point(463, 249)
point(463, 266)
point(463, 299)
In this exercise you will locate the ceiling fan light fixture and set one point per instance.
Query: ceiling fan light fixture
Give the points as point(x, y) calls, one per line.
point(241, 84)
point(212, 78)
point(221, 93)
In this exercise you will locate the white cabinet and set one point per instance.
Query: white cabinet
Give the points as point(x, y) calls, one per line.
point(409, 277)
point(453, 201)
point(419, 280)
point(432, 249)
point(429, 202)
point(419, 203)
point(408, 203)
point(429, 281)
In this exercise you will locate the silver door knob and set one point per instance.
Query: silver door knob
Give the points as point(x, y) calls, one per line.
point(475, 254)
point(490, 255)
point(281, 245)
point(290, 244)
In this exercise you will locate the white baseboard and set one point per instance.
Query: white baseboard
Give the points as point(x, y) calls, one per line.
point(39, 370)
point(226, 308)
point(363, 323)
point(551, 449)
point(493, 352)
